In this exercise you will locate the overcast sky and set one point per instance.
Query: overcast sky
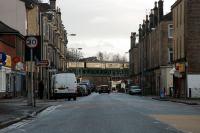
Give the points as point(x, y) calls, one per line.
point(104, 25)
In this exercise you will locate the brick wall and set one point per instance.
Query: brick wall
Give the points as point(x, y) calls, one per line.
point(192, 35)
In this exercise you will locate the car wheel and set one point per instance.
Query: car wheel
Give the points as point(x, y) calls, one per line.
point(74, 98)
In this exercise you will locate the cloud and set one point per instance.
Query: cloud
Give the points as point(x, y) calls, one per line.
point(104, 25)
point(93, 46)
point(99, 19)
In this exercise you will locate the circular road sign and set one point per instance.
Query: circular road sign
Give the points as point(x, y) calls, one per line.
point(2, 57)
point(31, 42)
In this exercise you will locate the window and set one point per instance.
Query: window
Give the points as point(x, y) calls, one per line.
point(170, 31)
point(180, 14)
point(177, 17)
point(170, 55)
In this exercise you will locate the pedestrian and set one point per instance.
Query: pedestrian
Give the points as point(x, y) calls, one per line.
point(41, 89)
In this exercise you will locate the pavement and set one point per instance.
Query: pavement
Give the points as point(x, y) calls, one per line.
point(15, 110)
point(179, 100)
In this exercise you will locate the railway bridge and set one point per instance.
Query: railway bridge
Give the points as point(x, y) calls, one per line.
point(99, 72)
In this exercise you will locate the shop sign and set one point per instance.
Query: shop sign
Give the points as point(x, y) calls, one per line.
point(181, 67)
point(8, 61)
point(43, 63)
point(2, 57)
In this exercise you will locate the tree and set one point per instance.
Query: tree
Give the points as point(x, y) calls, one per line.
point(72, 55)
point(100, 56)
point(103, 56)
point(119, 58)
point(116, 58)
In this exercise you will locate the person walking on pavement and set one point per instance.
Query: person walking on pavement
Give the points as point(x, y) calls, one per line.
point(41, 89)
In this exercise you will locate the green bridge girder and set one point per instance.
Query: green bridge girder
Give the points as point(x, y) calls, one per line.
point(100, 72)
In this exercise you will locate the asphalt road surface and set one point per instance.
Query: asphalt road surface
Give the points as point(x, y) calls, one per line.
point(113, 113)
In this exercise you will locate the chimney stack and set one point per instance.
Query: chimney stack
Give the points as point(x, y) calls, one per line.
point(53, 4)
point(160, 10)
point(133, 39)
point(140, 33)
point(143, 28)
point(151, 20)
point(147, 24)
point(155, 10)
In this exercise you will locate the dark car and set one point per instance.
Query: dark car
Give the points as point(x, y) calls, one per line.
point(104, 89)
point(134, 90)
point(81, 90)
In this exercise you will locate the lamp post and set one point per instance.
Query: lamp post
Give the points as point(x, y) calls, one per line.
point(66, 52)
point(77, 61)
point(76, 50)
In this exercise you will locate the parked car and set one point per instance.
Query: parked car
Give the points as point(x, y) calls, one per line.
point(82, 90)
point(135, 90)
point(87, 84)
point(64, 85)
point(104, 89)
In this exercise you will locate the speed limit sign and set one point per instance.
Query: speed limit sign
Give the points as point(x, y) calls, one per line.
point(31, 41)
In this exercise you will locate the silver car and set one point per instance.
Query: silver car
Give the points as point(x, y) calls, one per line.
point(135, 90)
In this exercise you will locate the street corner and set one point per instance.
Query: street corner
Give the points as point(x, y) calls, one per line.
point(185, 123)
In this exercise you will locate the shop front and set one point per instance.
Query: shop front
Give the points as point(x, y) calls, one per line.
point(5, 78)
point(179, 80)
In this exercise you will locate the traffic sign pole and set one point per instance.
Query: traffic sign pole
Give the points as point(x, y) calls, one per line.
point(31, 42)
point(32, 88)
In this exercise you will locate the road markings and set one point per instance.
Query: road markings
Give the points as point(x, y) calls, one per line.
point(49, 110)
point(19, 125)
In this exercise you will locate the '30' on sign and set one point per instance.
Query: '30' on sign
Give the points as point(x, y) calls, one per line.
point(31, 41)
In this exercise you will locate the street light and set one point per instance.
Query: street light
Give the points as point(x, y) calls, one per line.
point(77, 61)
point(71, 34)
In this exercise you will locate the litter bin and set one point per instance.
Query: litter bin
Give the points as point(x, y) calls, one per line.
point(162, 95)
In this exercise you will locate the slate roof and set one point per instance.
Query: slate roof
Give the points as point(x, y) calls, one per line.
point(168, 16)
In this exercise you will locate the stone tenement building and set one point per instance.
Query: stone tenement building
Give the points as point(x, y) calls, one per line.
point(152, 56)
point(186, 21)
point(134, 62)
point(31, 18)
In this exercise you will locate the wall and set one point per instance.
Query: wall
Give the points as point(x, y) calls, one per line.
point(192, 36)
point(194, 84)
point(178, 22)
point(166, 79)
point(13, 13)
point(33, 21)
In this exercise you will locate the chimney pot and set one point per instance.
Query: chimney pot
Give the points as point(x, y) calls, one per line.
point(160, 10)
point(53, 4)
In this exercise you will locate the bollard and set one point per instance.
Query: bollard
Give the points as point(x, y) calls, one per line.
point(190, 93)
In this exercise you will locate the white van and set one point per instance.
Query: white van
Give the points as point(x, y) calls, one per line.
point(64, 85)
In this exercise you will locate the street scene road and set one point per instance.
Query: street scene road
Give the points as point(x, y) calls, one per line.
point(112, 113)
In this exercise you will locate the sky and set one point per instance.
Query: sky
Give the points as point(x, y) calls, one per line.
point(104, 25)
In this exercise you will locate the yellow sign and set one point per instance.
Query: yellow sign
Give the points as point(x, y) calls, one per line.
point(181, 67)
point(8, 61)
